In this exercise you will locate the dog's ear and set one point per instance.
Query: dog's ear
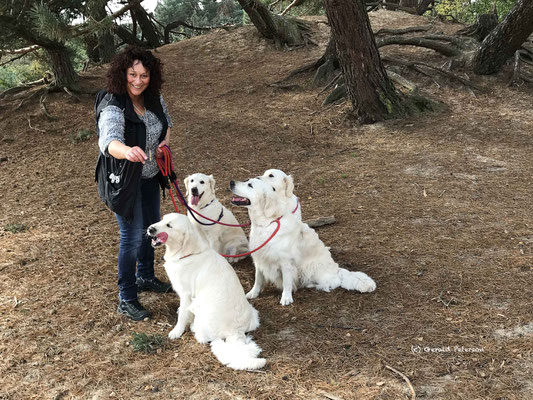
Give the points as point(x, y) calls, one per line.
point(212, 183)
point(186, 183)
point(193, 241)
point(268, 204)
point(288, 185)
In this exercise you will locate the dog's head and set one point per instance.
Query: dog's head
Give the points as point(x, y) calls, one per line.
point(279, 180)
point(200, 189)
point(177, 234)
point(259, 197)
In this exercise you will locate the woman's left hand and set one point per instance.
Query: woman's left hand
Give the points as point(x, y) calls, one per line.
point(159, 150)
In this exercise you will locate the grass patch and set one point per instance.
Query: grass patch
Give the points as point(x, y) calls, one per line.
point(344, 176)
point(81, 136)
point(15, 228)
point(147, 343)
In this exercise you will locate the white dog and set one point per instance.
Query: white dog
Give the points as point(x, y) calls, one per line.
point(295, 256)
point(279, 180)
point(201, 197)
point(212, 300)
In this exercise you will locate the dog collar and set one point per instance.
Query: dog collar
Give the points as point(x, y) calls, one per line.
point(208, 204)
point(297, 205)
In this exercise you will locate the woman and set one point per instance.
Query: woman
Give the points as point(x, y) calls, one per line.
point(133, 125)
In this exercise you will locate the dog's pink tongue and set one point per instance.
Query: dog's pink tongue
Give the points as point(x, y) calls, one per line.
point(162, 237)
point(195, 200)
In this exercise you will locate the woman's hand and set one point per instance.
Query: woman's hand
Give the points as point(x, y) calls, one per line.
point(159, 150)
point(135, 154)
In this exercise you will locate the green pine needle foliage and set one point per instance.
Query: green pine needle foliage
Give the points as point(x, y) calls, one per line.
point(53, 26)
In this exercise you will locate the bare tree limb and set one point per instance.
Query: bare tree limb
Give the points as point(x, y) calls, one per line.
point(293, 4)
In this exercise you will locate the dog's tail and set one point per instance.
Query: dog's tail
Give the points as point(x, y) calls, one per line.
point(356, 281)
point(238, 352)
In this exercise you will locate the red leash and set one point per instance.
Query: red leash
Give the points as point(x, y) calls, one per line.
point(167, 169)
point(253, 251)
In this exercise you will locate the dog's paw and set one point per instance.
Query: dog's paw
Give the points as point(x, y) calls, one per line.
point(286, 299)
point(365, 284)
point(175, 333)
point(252, 294)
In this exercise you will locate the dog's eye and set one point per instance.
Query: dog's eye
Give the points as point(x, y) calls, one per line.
point(274, 189)
point(202, 182)
point(250, 185)
point(271, 176)
point(192, 180)
point(169, 225)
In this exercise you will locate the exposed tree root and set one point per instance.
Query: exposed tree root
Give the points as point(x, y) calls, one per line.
point(34, 128)
point(385, 31)
point(31, 96)
point(416, 65)
point(521, 57)
point(339, 93)
point(484, 24)
point(44, 111)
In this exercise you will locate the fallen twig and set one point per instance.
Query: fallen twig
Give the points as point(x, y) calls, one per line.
point(355, 328)
point(405, 378)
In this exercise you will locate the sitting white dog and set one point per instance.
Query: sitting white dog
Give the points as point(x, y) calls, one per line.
point(212, 300)
point(280, 181)
point(201, 197)
point(295, 256)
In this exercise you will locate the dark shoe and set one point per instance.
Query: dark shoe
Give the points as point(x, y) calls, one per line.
point(152, 285)
point(133, 309)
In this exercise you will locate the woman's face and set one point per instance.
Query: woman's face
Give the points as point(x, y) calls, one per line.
point(138, 78)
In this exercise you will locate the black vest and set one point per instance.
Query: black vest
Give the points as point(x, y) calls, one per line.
point(118, 180)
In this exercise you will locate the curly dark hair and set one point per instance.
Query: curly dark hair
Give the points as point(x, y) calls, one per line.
point(116, 75)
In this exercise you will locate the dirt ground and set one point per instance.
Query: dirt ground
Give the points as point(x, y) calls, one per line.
point(437, 209)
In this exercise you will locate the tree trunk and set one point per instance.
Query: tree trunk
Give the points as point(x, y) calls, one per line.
point(372, 94)
point(409, 3)
point(280, 29)
point(505, 39)
point(127, 37)
point(484, 25)
point(423, 6)
point(148, 29)
point(104, 48)
point(62, 67)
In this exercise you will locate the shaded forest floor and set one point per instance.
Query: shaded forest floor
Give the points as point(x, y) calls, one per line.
point(437, 209)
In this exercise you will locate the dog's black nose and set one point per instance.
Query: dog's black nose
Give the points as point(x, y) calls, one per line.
point(231, 184)
point(194, 191)
point(151, 230)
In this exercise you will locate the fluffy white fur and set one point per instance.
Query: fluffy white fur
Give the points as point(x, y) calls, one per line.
point(212, 300)
point(295, 257)
point(201, 197)
point(279, 180)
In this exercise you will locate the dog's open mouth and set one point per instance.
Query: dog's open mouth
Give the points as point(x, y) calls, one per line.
point(240, 201)
point(159, 239)
point(195, 199)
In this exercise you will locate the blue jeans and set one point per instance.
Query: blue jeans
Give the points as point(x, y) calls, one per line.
point(136, 254)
